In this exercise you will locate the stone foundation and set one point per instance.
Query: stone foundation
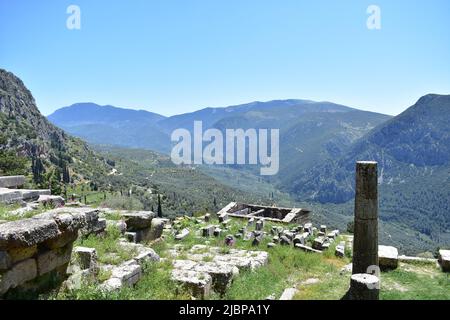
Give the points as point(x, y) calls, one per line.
point(33, 251)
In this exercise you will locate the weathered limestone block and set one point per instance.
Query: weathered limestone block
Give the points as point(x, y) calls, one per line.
point(53, 259)
point(259, 226)
point(62, 239)
point(444, 260)
point(19, 254)
point(12, 181)
point(131, 236)
point(250, 222)
point(223, 217)
point(19, 274)
point(26, 232)
point(340, 250)
point(138, 220)
point(199, 283)
point(299, 239)
point(207, 217)
point(364, 287)
point(308, 228)
point(257, 238)
point(208, 231)
point(157, 228)
point(10, 196)
point(288, 294)
point(306, 248)
point(323, 228)
point(127, 274)
point(284, 240)
point(221, 274)
point(319, 243)
point(148, 255)
point(99, 226)
point(57, 201)
point(183, 234)
point(32, 195)
point(86, 258)
point(217, 232)
point(76, 280)
point(387, 257)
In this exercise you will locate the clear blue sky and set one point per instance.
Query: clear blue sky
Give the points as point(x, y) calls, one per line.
point(172, 57)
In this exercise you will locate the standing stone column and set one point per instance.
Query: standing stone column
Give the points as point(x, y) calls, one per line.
point(365, 243)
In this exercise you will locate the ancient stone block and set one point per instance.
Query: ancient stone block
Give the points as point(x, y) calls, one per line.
point(183, 234)
point(340, 251)
point(19, 254)
point(288, 294)
point(259, 225)
point(127, 274)
point(207, 217)
point(323, 228)
point(19, 274)
point(208, 231)
point(26, 232)
point(157, 228)
point(57, 201)
point(387, 257)
point(131, 236)
point(319, 243)
point(86, 258)
point(146, 255)
point(221, 274)
point(223, 217)
point(62, 239)
point(52, 259)
point(284, 240)
point(306, 248)
point(299, 239)
point(217, 232)
point(112, 284)
point(444, 260)
point(257, 238)
point(138, 220)
point(12, 181)
point(198, 282)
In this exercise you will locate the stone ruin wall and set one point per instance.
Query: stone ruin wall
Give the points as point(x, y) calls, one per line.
point(36, 251)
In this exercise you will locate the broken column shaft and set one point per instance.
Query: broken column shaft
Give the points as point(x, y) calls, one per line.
point(365, 243)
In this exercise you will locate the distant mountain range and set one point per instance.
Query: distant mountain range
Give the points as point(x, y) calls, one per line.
point(319, 144)
point(143, 129)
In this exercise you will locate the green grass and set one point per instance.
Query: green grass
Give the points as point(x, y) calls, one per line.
point(5, 212)
point(413, 282)
point(107, 247)
point(287, 267)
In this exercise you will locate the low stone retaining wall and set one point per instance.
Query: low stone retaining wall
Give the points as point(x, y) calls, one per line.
point(36, 248)
point(12, 181)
